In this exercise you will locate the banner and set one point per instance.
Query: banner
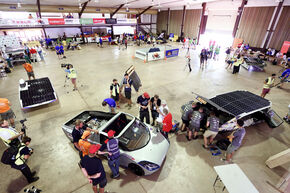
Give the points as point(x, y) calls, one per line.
point(171, 53)
point(86, 21)
point(71, 21)
point(111, 21)
point(125, 21)
point(99, 20)
point(285, 47)
point(56, 21)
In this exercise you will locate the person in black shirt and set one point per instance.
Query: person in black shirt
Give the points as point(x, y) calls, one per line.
point(78, 131)
point(115, 91)
point(127, 83)
point(143, 101)
point(155, 103)
point(24, 152)
point(93, 169)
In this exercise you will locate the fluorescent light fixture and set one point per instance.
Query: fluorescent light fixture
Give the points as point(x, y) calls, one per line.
point(19, 5)
point(158, 10)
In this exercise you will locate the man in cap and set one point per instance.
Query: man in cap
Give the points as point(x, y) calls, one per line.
point(93, 169)
point(84, 144)
point(143, 101)
point(112, 146)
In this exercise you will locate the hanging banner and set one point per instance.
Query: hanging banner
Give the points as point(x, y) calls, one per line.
point(111, 21)
point(86, 20)
point(56, 21)
point(99, 20)
point(125, 20)
point(71, 21)
point(285, 47)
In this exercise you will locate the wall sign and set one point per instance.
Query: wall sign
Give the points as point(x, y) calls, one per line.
point(99, 20)
point(56, 21)
point(111, 21)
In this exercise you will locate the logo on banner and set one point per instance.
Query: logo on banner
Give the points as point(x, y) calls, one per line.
point(99, 20)
point(56, 21)
point(72, 21)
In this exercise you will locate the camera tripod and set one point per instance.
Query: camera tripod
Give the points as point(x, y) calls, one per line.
point(67, 85)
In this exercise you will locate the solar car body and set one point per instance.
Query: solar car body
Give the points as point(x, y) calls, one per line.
point(253, 63)
point(244, 105)
point(143, 148)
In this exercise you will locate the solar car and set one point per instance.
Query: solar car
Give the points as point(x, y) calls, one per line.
point(143, 148)
point(244, 105)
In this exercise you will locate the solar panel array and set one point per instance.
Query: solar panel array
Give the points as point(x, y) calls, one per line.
point(39, 91)
point(239, 102)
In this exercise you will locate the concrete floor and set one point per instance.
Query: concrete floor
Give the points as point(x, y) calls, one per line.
point(188, 167)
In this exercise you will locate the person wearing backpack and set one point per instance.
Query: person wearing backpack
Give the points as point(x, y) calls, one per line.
point(9, 135)
point(112, 146)
point(23, 154)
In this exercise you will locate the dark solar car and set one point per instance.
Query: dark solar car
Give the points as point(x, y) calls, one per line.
point(244, 105)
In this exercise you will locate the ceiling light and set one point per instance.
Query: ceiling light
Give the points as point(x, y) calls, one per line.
point(127, 9)
point(96, 1)
point(158, 10)
point(18, 5)
point(80, 5)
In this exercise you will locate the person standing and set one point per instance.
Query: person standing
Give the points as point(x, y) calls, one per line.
point(284, 76)
point(62, 50)
point(188, 59)
point(126, 42)
point(186, 116)
point(33, 53)
point(40, 52)
point(154, 104)
point(160, 111)
point(167, 123)
point(203, 58)
point(143, 101)
point(194, 124)
point(228, 52)
point(84, 145)
point(58, 51)
point(268, 83)
point(237, 64)
point(115, 92)
point(29, 69)
point(24, 152)
point(72, 75)
point(101, 42)
point(6, 112)
point(112, 146)
point(213, 123)
point(236, 137)
point(216, 53)
point(111, 104)
point(127, 83)
point(93, 169)
point(8, 60)
point(9, 135)
point(27, 51)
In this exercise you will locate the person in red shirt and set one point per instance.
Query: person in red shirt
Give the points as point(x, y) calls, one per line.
point(33, 53)
point(167, 123)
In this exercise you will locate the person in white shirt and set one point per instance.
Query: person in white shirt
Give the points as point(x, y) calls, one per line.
point(40, 52)
point(8, 134)
point(160, 111)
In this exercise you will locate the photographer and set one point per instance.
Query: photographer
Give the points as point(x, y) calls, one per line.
point(24, 152)
point(72, 74)
point(9, 135)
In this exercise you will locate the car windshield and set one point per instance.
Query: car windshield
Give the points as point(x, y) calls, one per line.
point(135, 137)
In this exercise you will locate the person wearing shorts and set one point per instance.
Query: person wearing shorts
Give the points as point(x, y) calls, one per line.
point(213, 123)
point(93, 169)
point(29, 70)
point(115, 92)
point(127, 83)
point(194, 124)
point(6, 112)
point(111, 104)
point(284, 76)
point(186, 116)
point(268, 83)
point(236, 137)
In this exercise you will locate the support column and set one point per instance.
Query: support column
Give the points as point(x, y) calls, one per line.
point(150, 23)
point(239, 16)
point(182, 21)
point(201, 21)
point(168, 20)
point(39, 15)
point(272, 24)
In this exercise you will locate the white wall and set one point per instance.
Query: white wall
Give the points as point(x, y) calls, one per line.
point(16, 15)
point(55, 32)
point(95, 15)
point(223, 20)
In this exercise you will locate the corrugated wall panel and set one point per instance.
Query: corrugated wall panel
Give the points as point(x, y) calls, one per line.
point(175, 22)
point(191, 23)
point(254, 24)
point(282, 31)
point(161, 21)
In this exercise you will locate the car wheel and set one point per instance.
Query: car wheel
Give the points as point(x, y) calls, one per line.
point(136, 169)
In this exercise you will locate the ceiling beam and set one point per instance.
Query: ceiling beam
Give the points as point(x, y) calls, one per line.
point(84, 5)
point(137, 15)
point(112, 14)
point(38, 8)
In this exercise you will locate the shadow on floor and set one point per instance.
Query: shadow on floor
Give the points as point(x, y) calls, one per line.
point(17, 185)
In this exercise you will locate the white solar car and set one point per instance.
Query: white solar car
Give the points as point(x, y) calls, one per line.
point(143, 148)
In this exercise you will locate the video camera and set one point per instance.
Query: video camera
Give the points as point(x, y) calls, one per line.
point(23, 128)
point(65, 65)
